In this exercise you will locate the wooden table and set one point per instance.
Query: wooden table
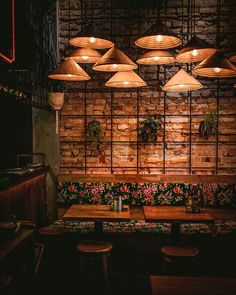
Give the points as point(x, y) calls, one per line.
point(175, 215)
point(171, 285)
point(98, 214)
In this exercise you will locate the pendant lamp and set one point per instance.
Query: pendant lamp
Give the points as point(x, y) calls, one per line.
point(85, 55)
point(195, 50)
point(158, 37)
point(182, 81)
point(156, 57)
point(126, 79)
point(234, 85)
point(114, 60)
point(69, 70)
point(90, 36)
point(233, 58)
point(215, 66)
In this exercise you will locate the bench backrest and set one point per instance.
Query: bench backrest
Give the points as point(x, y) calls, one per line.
point(139, 194)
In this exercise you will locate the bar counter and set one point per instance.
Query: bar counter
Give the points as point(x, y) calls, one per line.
point(24, 195)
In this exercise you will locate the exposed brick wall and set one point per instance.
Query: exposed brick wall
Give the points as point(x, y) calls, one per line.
point(179, 149)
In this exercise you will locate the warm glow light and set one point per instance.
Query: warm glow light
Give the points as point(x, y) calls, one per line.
point(217, 70)
point(181, 85)
point(159, 38)
point(92, 40)
point(85, 57)
point(156, 57)
point(126, 82)
point(194, 52)
point(114, 66)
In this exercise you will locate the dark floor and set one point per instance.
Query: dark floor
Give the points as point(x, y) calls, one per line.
point(134, 258)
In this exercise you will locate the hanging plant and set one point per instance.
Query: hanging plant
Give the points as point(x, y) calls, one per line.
point(208, 126)
point(94, 133)
point(94, 130)
point(150, 128)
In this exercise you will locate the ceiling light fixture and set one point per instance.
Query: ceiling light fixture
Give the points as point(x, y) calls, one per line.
point(158, 37)
point(85, 55)
point(125, 79)
point(156, 57)
point(182, 81)
point(114, 60)
point(69, 70)
point(215, 66)
point(195, 50)
point(90, 36)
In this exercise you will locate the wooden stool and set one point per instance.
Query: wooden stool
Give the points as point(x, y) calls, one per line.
point(93, 249)
point(53, 231)
point(178, 255)
point(55, 240)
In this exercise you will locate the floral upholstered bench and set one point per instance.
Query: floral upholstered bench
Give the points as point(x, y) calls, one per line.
point(140, 194)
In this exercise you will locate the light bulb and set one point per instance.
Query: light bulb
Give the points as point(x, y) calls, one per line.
point(181, 85)
point(217, 70)
point(126, 82)
point(92, 40)
point(114, 66)
point(194, 52)
point(159, 38)
point(156, 57)
point(85, 57)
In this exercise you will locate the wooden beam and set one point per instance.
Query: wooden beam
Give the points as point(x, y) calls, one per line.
point(140, 178)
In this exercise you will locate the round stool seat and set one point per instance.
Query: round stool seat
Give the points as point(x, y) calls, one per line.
point(178, 251)
point(94, 247)
point(53, 230)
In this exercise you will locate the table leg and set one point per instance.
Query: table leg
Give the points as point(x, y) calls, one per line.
point(98, 230)
point(175, 233)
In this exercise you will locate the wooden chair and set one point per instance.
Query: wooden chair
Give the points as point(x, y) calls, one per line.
point(91, 249)
point(176, 258)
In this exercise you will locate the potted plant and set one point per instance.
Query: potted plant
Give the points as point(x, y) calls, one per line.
point(208, 126)
point(150, 128)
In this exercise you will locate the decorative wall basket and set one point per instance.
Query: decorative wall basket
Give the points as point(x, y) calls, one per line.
point(56, 100)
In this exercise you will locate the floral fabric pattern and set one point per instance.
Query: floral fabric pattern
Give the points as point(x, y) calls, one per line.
point(141, 194)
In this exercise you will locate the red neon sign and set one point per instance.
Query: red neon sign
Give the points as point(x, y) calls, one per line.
point(13, 53)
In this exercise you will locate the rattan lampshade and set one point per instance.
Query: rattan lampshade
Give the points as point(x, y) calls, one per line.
point(90, 36)
point(215, 66)
point(233, 58)
point(85, 55)
point(156, 57)
point(195, 50)
point(158, 37)
point(114, 60)
point(182, 81)
point(69, 70)
point(126, 79)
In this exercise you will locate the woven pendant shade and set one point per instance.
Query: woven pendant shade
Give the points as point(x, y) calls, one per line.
point(127, 79)
point(158, 37)
point(234, 85)
point(90, 37)
point(156, 57)
point(69, 70)
point(195, 50)
point(215, 66)
point(85, 55)
point(182, 81)
point(114, 60)
point(233, 58)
